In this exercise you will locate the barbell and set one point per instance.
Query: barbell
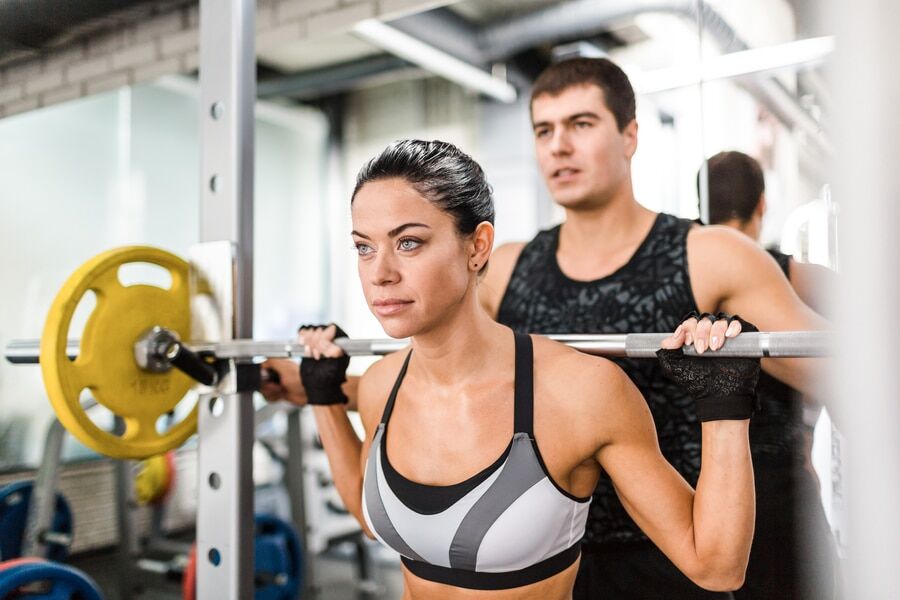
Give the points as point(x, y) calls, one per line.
point(136, 357)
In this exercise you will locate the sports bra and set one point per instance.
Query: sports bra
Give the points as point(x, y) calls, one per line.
point(507, 526)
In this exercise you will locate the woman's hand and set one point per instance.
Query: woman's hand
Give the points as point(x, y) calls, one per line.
point(324, 365)
point(722, 388)
point(704, 332)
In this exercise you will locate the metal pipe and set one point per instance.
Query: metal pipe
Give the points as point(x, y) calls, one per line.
point(582, 18)
point(25, 352)
point(775, 344)
point(43, 496)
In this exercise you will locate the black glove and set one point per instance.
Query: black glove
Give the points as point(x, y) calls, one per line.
point(722, 388)
point(322, 377)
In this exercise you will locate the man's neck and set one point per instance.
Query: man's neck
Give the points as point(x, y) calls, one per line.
point(605, 230)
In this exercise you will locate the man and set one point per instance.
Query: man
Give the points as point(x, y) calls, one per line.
point(616, 267)
point(793, 552)
point(737, 199)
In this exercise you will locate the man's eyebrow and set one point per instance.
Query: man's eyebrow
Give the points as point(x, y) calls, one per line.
point(582, 115)
point(393, 232)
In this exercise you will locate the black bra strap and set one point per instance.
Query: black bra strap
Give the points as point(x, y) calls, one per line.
point(524, 398)
point(389, 407)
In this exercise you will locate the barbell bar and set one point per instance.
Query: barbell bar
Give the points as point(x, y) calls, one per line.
point(775, 344)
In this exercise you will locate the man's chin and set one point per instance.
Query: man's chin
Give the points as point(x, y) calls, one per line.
point(572, 201)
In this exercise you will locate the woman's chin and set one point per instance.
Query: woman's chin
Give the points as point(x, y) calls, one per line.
point(397, 329)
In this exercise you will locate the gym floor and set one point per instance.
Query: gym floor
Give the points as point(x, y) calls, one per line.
point(334, 571)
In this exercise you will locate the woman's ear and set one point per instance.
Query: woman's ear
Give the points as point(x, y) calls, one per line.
point(481, 246)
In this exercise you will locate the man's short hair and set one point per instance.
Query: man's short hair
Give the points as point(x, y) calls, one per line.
point(601, 72)
point(736, 184)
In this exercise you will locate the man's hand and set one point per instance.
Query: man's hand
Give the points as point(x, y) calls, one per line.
point(289, 388)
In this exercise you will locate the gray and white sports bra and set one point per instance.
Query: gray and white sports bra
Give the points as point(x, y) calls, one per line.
point(509, 525)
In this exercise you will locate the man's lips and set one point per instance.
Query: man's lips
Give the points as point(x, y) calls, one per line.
point(565, 173)
point(389, 306)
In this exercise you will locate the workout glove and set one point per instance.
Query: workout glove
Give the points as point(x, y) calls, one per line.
point(322, 377)
point(722, 388)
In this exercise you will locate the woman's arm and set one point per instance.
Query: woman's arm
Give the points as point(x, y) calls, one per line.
point(346, 455)
point(323, 377)
point(706, 533)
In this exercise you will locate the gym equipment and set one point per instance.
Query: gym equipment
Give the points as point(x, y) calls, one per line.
point(133, 339)
point(39, 579)
point(278, 562)
point(154, 479)
point(15, 499)
point(105, 362)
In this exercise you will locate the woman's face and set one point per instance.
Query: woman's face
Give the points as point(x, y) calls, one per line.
point(413, 265)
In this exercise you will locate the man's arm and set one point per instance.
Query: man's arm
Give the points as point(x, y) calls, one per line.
point(290, 388)
point(730, 273)
point(814, 284)
point(493, 285)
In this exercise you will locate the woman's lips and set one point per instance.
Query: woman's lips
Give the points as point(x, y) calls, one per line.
point(392, 306)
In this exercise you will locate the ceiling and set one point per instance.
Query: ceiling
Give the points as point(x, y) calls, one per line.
point(30, 27)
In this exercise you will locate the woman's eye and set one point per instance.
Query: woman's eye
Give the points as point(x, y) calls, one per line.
point(409, 244)
point(363, 249)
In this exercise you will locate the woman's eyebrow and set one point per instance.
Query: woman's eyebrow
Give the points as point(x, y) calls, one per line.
point(393, 232)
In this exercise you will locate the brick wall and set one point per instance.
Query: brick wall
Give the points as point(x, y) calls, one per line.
point(167, 44)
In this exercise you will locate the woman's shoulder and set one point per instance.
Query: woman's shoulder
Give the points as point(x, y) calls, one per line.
point(575, 379)
point(376, 383)
point(580, 398)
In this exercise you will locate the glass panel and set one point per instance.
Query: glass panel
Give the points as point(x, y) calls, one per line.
point(764, 94)
point(122, 168)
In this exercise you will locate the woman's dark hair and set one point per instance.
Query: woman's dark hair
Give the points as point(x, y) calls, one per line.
point(441, 173)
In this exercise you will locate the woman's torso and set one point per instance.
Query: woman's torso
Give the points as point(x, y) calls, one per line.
point(446, 438)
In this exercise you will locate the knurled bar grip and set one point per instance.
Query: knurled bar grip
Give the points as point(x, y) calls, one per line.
point(765, 344)
point(780, 344)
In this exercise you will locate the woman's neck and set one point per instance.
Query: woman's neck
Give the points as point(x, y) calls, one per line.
point(465, 342)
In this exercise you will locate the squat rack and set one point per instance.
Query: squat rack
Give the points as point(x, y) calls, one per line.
point(224, 257)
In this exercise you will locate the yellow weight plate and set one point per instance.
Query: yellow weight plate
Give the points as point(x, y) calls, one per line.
point(154, 478)
point(106, 363)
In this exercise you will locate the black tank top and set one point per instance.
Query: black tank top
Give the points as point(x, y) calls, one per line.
point(777, 429)
point(649, 294)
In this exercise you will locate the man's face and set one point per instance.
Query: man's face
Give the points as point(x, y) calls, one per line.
point(583, 156)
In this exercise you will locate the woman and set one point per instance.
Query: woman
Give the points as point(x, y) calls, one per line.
point(482, 447)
